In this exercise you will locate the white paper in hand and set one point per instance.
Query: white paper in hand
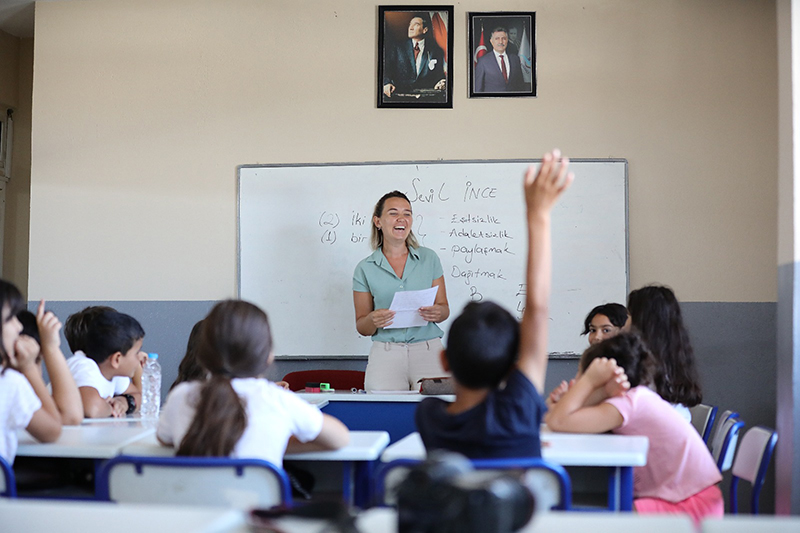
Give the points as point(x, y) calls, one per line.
point(406, 306)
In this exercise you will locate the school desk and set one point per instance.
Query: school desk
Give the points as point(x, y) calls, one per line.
point(391, 412)
point(87, 441)
point(102, 517)
point(620, 453)
point(358, 460)
point(749, 524)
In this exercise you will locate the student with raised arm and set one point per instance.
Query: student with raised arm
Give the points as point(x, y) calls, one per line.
point(44, 328)
point(498, 365)
point(25, 402)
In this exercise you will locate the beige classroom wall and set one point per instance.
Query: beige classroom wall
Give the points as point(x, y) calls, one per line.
point(142, 110)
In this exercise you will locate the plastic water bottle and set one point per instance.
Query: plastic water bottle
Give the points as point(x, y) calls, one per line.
point(151, 387)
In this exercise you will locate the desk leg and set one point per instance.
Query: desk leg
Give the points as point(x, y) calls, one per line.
point(357, 483)
point(614, 489)
point(98, 465)
point(348, 475)
point(620, 488)
point(365, 488)
point(626, 488)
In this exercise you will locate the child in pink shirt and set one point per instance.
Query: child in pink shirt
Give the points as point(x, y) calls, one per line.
point(680, 475)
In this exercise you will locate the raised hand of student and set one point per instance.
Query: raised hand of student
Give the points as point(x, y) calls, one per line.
point(542, 188)
point(545, 185)
point(65, 392)
point(49, 327)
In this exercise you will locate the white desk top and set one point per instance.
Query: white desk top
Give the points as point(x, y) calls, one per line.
point(101, 517)
point(364, 446)
point(750, 523)
point(91, 441)
point(566, 449)
point(385, 521)
point(348, 396)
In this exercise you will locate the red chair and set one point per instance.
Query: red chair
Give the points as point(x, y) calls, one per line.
point(340, 380)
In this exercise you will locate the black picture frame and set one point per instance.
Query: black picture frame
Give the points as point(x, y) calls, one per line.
point(427, 82)
point(485, 76)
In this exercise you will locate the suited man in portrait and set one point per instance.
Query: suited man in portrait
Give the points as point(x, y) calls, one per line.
point(416, 63)
point(499, 71)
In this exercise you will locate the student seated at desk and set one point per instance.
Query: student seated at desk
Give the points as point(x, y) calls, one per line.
point(43, 328)
point(113, 356)
point(602, 322)
point(236, 412)
point(499, 366)
point(680, 476)
point(25, 402)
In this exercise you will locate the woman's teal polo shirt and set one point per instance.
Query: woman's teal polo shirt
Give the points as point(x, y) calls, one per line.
point(376, 276)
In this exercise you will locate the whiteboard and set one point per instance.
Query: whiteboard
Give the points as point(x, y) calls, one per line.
point(304, 228)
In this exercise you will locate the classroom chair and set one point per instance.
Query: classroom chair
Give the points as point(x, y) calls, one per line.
point(550, 482)
point(703, 419)
point(8, 484)
point(340, 380)
point(751, 464)
point(723, 446)
point(210, 481)
point(717, 427)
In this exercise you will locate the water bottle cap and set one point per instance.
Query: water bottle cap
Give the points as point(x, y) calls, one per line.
point(152, 356)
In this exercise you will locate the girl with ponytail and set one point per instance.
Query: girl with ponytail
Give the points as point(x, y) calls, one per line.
point(237, 412)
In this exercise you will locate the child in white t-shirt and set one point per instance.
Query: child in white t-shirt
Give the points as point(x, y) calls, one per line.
point(237, 412)
point(680, 475)
point(25, 402)
point(112, 355)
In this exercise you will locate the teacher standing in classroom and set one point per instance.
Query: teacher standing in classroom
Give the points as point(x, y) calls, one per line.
point(399, 356)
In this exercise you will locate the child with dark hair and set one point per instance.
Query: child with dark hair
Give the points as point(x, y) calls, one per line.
point(190, 369)
point(499, 366)
point(77, 325)
point(112, 357)
point(602, 322)
point(656, 315)
point(24, 400)
point(236, 412)
point(680, 475)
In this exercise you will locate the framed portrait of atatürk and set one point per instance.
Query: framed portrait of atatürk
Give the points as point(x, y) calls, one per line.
point(502, 52)
point(415, 45)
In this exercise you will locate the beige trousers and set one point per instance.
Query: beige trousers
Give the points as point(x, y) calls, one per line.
point(398, 366)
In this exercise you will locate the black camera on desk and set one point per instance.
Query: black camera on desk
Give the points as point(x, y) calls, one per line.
point(446, 495)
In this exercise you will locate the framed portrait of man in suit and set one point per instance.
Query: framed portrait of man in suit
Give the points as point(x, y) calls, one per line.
point(502, 52)
point(415, 44)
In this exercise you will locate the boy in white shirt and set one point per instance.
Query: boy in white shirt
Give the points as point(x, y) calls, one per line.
point(103, 368)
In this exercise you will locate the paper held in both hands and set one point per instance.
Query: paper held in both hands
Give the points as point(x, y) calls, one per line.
point(406, 306)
